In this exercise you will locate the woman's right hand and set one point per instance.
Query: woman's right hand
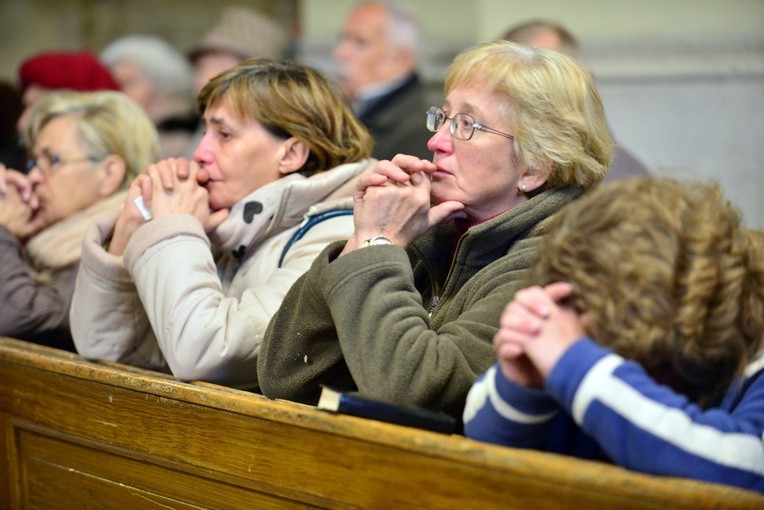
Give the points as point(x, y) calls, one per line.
point(182, 192)
point(15, 214)
point(394, 202)
point(22, 183)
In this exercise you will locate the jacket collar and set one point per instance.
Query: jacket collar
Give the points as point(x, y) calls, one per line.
point(488, 241)
point(283, 204)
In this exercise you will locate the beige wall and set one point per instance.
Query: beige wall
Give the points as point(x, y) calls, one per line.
point(682, 80)
point(630, 18)
point(479, 19)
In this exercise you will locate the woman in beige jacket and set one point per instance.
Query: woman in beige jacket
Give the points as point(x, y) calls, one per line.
point(193, 289)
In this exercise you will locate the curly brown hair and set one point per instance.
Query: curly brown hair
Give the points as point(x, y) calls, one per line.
point(667, 276)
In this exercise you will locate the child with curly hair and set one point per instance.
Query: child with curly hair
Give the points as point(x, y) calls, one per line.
point(637, 340)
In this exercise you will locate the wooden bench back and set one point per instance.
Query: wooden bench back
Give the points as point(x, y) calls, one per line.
point(80, 434)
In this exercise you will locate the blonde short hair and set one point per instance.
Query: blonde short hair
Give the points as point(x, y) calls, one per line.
point(667, 275)
point(552, 104)
point(291, 99)
point(108, 123)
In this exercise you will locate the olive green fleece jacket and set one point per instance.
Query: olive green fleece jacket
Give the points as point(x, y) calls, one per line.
point(408, 327)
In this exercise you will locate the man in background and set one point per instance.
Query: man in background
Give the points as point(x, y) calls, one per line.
point(238, 34)
point(376, 56)
point(158, 77)
point(544, 34)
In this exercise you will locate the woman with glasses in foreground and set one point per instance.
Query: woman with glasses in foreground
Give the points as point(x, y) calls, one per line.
point(85, 149)
point(406, 309)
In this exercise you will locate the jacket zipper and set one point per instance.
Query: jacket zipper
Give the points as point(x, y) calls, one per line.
point(437, 297)
point(435, 300)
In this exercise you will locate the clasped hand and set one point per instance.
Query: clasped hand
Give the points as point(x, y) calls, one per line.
point(18, 204)
point(171, 186)
point(394, 201)
point(534, 333)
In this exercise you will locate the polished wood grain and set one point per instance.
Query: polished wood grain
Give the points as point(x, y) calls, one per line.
point(81, 434)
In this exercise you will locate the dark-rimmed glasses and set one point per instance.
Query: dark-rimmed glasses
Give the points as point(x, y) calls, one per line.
point(462, 127)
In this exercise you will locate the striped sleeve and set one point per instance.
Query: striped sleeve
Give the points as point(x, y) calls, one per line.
point(647, 427)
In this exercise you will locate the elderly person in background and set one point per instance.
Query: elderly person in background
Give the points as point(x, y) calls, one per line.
point(405, 310)
point(281, 144)
point(66, 70)
point(376, 56)
point(641, 346)
point(85, 149)
point(240, 33)
point(159, 78)
point(545, 34)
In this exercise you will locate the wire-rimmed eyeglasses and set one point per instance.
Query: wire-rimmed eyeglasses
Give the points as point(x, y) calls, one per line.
point(462, 127)
point(50, 163)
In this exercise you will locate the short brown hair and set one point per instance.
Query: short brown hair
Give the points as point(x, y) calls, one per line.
point(291, 99)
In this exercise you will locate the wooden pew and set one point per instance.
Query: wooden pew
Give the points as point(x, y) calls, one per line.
point(80, 434)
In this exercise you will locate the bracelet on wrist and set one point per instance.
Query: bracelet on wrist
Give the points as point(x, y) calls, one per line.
point(376, 241)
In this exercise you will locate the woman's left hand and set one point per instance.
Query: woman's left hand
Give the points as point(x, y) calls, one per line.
point(175, 190)
point(18, 204)
point(16, 214)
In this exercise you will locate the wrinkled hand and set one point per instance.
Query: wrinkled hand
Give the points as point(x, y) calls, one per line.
point(534, 333)
point(394, 201)
point(15, 214)
point(171, 186)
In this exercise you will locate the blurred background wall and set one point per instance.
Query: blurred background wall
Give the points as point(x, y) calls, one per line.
point(682, 80)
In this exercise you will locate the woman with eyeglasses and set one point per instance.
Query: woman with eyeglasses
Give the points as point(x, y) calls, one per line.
point(85, 149)
point(190, 289)
point(405, 311)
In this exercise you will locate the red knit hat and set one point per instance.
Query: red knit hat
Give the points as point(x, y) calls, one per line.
point(66, 70)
